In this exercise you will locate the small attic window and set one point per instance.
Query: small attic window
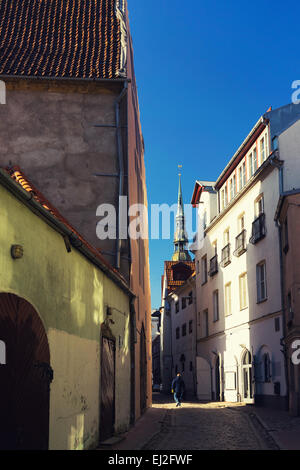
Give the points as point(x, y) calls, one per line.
point(275, 143)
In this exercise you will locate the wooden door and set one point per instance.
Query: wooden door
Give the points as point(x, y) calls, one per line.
point(107, 414)
point(25, 378)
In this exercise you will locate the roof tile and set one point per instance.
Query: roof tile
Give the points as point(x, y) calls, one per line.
point(59, 38)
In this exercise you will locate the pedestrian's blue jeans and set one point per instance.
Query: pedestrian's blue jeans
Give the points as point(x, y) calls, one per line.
point(177, 397)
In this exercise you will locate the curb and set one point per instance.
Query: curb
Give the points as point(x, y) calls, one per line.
point(272, 440)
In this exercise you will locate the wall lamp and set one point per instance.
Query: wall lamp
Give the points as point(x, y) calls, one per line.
point(16, 251)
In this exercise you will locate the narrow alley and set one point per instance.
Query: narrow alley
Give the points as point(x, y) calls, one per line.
point(208, 426)
point(198, 426)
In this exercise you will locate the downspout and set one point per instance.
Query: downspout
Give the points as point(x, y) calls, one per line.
point(194, 349)
point(282, 285)
point(121, 170)
point(132, 361)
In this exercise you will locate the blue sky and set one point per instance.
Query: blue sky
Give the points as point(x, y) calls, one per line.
point(206, 71)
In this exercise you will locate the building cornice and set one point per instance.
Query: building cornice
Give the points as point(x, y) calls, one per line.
point(242, 150)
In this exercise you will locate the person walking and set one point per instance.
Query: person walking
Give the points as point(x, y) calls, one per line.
point(178, 389)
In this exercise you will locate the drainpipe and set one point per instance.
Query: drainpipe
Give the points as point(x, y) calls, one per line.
point(282, 285)
point(132, 361)
point(121, 168)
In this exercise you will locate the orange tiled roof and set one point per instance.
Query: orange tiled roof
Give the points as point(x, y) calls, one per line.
point(59, 38)
point(16, 173)
point(171, 283)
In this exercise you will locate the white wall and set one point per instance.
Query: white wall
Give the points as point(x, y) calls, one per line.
point(250, 327)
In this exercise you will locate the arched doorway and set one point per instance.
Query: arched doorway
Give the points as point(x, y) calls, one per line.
point(247, 376)
point(217, 379)
point(25, 378)
point(204, 379)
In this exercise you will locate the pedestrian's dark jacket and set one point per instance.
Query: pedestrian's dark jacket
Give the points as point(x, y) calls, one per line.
point(178, 385)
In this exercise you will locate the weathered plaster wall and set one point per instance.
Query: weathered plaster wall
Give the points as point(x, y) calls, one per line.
point(70, 294)
point(48, 128)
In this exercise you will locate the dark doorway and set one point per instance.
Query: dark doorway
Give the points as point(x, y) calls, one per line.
point(107, 414)
point(247, 378)
point(217, 373)
point(143, 371)
point(25, 378)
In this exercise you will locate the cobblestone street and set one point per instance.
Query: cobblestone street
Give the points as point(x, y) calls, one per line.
point(208, 426)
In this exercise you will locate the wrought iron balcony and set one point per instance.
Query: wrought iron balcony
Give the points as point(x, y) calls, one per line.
point(240, 243)
point(213, 266)
point(258, 229)
point(226, 258)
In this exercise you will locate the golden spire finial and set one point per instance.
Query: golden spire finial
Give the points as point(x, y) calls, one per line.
point(179, 166)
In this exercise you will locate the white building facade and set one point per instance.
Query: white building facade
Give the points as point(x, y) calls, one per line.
point(240, 355)
point(183, 318)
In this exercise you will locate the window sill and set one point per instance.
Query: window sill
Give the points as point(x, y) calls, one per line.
point(262, 301)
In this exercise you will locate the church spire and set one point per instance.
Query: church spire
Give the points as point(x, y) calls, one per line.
point(180, 237)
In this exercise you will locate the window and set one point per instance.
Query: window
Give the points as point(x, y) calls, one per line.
point(277, 324)
point(191, 366)
point(262, 150)
point(213, 269)
point(177, 333)
point(243, 291)
point(259, 206)
point(204, 269)
point(225, 255)
point(242, 175)
point(231, 189)
point(267, 367)
point(234, 185)
point(241, 223)
point(177, 307)
point(240, 178)
point(216, 305)
point(222, 199)
point(250, 165)
point(183, 329)
point(190, 298)
point(226, 237)
point(205, 323)
point(198, 269)
point(228, 299)
point(191, 326)
point(261, 281)
point(183, 302)
point(254, 160)
point(258, 225)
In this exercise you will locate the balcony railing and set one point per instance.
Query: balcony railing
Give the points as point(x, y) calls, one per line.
point(226, 258)
point(258, 229)
point(240, 244)
point(213, 266)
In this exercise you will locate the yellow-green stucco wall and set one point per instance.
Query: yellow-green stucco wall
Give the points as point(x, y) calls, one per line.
point(70, 294)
